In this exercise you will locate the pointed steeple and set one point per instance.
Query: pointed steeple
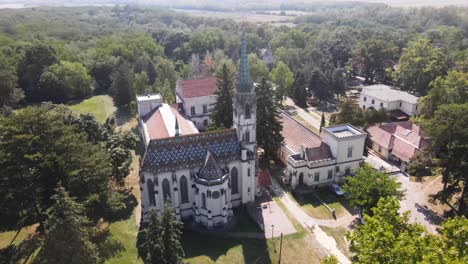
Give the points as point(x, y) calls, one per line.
point(243, 84)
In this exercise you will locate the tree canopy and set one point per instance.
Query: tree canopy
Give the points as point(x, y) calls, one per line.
point(388, 237)
point(449, 137)
point(367, 186)
point(67, 233)
point(419, 64)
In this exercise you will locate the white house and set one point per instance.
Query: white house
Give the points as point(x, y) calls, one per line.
point(314, 161)
point(267, 57)
point(383, 96)
point(197, 97)
point(203, 175)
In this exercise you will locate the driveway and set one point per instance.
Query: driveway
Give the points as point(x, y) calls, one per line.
point(415, 200)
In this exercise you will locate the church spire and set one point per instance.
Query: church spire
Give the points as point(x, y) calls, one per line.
point(243, 84)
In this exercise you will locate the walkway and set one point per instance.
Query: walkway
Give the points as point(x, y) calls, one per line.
point(308, 222)
point(304, 114)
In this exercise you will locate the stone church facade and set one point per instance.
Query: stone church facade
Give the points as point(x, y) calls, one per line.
point(203, 175)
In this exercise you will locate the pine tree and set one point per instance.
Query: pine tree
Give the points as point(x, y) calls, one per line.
point(268, 125)
point(322, 122)
point(159, 241)
point(152, 246)
point(319, 86)
point(222, 112)
point(172, 236)
point(298, 91)
point(66, 235)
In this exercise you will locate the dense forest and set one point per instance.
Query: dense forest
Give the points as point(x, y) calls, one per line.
point(50, 56)
point(60, 54)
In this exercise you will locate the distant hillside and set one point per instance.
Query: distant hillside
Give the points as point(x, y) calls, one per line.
point(232, 4)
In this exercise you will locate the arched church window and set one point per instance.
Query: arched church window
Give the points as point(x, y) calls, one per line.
point(234, 181)
point(203, 199)
point(247, 111)
point(150, 187)
point(166, 190)
point(247, 137)
point(183, 190)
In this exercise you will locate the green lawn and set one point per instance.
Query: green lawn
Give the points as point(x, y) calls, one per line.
point(296, 248)
point(124, 233)
point(101, 106)
point(313, 207)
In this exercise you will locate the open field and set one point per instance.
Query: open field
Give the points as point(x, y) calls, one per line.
point(101, 106)
point(251, 17)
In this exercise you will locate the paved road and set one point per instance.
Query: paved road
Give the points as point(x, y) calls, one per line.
point(319, 236)
point(315, 122)
point(415, 199)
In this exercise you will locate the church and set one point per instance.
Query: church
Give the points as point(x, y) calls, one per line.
point(204, 175)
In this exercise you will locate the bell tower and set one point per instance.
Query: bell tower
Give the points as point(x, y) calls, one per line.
point(245, 122)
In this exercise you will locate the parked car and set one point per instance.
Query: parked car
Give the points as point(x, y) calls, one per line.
point(336, 189)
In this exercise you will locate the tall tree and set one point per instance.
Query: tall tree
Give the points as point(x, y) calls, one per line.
point(349, 112)
point(67, 234)
point(160, 239)
point(450, 89)
point(319, 85)
point(283, 78)
point(419, 64)
point(151, 247)
point(367, 186)
point(257, 67)
point(36, 58)
point(9, 90)
point(322, 122)
point(372, 55)
point(449, 137)
point(298, 91)
point(268, 125)
point(122, 85)
point(172, 235)
point(64, 81)
point(222, 111)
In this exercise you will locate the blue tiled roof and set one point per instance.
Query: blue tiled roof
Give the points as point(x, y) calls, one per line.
point(189, 151)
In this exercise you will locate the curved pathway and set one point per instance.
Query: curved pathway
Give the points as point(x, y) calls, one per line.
point(309, 222)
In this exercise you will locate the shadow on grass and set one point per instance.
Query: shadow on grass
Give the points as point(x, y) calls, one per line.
point(123, 115)
point(214, 247)
point(125, 210)
point(107, 246)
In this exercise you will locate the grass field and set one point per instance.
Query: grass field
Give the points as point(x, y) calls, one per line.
point(235, 250)
point(313, 207)
point(125, 233)
point(101, 106)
